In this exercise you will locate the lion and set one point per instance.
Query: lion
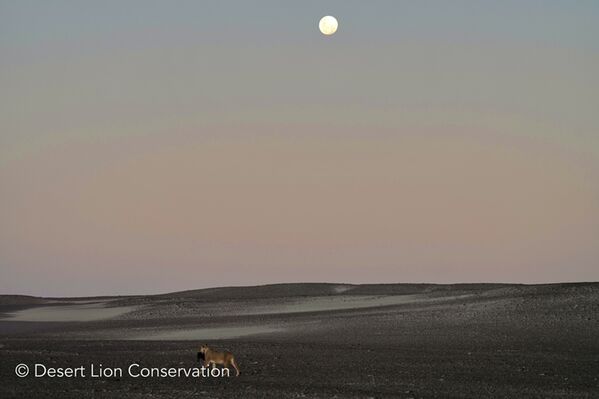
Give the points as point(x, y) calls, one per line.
point(210, 356)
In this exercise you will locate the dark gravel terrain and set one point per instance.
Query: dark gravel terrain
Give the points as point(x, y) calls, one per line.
point(447, 341)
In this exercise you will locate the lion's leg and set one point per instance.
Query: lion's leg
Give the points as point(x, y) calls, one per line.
point(235, 365)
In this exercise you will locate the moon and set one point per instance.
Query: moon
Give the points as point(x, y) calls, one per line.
point(328, 25)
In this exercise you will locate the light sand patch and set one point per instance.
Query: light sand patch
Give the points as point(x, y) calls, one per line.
point(338, 289)
point(341, 302)
point(82, 312)
point(205, 333)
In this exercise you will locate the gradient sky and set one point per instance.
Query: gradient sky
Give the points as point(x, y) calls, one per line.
point(159, 146)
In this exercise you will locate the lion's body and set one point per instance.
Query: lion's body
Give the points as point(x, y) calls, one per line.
point(226, 359)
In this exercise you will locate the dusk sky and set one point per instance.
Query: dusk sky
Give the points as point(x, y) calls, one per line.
point(154, 146)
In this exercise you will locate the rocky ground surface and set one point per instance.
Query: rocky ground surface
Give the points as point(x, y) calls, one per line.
point(448, 341)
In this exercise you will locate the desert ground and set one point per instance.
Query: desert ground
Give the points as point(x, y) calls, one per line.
point(316, 341)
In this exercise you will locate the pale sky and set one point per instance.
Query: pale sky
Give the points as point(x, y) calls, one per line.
point(154, 146)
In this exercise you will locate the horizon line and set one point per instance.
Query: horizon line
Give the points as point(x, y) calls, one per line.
point(296, 283)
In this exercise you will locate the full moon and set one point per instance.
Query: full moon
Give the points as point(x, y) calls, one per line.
point(328, 25)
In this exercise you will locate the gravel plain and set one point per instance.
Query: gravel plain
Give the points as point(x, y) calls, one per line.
point(316, 341)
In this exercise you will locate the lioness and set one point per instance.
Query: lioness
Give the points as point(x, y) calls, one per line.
point(225, 358)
